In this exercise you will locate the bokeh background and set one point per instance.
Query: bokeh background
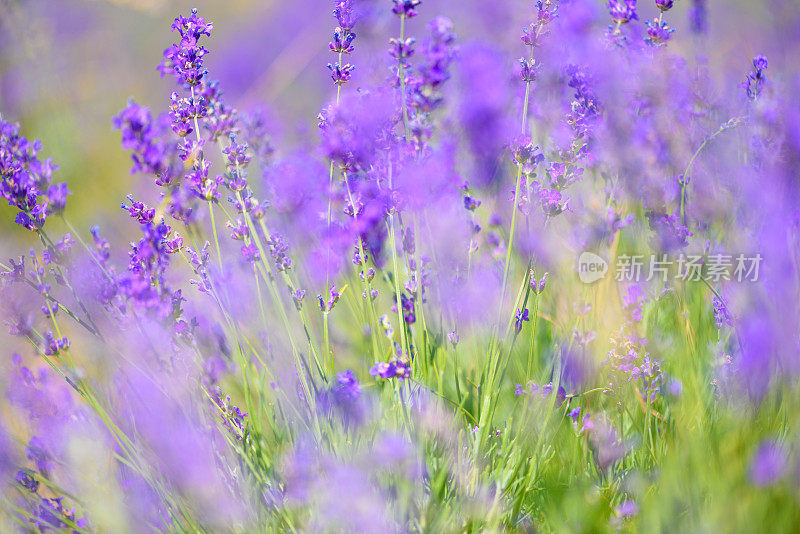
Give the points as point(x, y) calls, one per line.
point(68, 66)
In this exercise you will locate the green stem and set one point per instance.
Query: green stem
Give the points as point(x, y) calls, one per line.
point(401, 70)
point(216, 237)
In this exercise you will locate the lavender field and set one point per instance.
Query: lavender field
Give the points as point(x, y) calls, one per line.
point(399, 266)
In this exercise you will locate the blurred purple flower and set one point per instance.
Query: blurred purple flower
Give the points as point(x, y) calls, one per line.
point(769, 464)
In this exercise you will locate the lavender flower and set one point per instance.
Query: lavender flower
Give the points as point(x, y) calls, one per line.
point(698, 16)
point(519, 317)
point(537, 286)
point(664, 5)
point(453, 338)
point(342, 42)
point(25, 180)
point(144, 137)
point(627, 508)
point(343, 398)
point(119, 349)
point(534, 390)
point(658, 32)
point(402, 50)
point(607, 446)
point(51, 513)
point(399, 368)
point(408, 306)
point(232, 417)
point(438, 52)
point(27, 481)
point(622, 11)
point(529, 70)
point(721, 315)
point(278, 249)
point(755, 80)
point(333, 298)
point(471, 203)
point(406, 8)
point(219, 119)
point(340, 74)
point(768, 465)
point(185, 59)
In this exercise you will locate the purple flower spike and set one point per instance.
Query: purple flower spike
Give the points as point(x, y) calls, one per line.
point(25, 180)
point(340, 74)
point(658, 32)
point(27, 481)
point(185, 59)
point(333, 298)
point(529, 69)
point(754, 82)
point(520, 317)
point(342, 42)
point(622, 11)
point(398, 368)
point(406, 8)
point(344, 14)
point(664, 5)
point(537, 286)
point(722, 316)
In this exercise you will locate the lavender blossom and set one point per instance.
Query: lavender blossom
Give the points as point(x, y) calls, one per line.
point(622, 11)
point(25, 180)
point(658, 32)
point(184, 60)
point(755, 80)
point(519, 317)
point(406, 8)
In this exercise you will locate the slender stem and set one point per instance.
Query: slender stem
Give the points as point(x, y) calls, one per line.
point(687, 171)
point(396, 276)
point(401, 71)
point(216, 237)
point(533, 334)
point(369, 310)
point(327, 289)
point(326, 339)
point(517, 185)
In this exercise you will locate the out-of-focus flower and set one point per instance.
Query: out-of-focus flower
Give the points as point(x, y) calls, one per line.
point(753, 84)
point(51, 513)
point(144, 137)
point(622, 11)
point(769, 464)
point(406, 8)
point(722, 316)
point(27, 481)
point(698, 16)
point(344, 398)
point(400, 368)
point(606, 444)
point(232, 417)
point(627, 508)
